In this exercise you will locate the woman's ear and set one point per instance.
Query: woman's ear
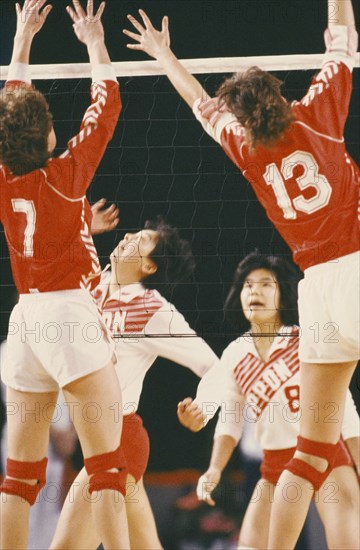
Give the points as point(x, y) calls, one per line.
point(148, 267)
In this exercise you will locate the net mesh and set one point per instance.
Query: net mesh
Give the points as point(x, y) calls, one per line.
point(160, 161)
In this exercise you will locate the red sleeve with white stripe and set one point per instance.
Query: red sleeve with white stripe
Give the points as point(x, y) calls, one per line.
point(326, 103)
point(85, 150)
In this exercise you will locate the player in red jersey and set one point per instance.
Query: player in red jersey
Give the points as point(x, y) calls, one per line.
point(56, 336)
point(295, 158)
point(145, 325)
point(257, 381)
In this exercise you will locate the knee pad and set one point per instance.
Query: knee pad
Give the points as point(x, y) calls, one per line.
point(300, 468)
point(100, 478)
point(24, 470)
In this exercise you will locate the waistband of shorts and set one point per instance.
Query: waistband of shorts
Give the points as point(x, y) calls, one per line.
point(37, 296)
point(341, 262)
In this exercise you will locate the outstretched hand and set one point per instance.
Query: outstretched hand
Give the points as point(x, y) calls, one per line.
point(87, 26)
point(30, 18)
point(190, 415)
point(153, 42)
point(103, 220)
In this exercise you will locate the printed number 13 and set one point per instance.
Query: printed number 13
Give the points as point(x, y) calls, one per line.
point(28, 208)
point(310, 179)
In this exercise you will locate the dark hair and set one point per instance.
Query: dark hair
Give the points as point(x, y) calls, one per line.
point(287, 276)
point(255, 99)
point(25, 124)
point(172, 255)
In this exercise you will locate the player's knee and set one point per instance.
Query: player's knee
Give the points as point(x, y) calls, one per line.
point(98, 468)
point(24, 479)
point(310, 467)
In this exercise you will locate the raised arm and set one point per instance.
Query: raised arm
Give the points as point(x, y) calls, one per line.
point(89, 30)
point(30, 20)
point(340, 12)
point(157, 45)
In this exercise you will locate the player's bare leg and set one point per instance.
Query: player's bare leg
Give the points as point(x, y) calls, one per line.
point(103, 436)
point(339, 508)
point(142, 527)
point(29, 417)
point(255, 526)
point(77, 507)
point(322, 399)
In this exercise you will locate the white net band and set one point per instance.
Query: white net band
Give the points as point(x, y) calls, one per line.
point(195, 66)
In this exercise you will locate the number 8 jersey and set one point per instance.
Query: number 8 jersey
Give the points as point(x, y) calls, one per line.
point(307, 183)
point(45, 213)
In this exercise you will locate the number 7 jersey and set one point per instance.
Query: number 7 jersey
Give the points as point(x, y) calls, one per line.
point(45, 213)
point(307, 183)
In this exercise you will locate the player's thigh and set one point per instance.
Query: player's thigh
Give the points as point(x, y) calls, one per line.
point(74, 529)
point(255, 527)
point(322, 399)
point(96, 406)
point(29, 417)
point(142, 527)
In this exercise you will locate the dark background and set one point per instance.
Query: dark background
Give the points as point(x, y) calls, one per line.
point(160, 161)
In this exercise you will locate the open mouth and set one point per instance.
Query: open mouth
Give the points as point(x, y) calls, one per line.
point(255, 304)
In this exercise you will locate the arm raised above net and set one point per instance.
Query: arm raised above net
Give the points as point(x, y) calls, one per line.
point(29, 21)
point(340, 12)
point(157, 45)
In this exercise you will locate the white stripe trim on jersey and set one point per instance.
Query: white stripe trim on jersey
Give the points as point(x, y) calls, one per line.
point(59, 192)
point(325, 136)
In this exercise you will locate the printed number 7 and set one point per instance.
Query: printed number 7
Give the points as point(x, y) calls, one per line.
point(28, 208)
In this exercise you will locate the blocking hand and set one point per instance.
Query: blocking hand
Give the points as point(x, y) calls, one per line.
point(150, 41)
point(87, 26)
point(30, 18)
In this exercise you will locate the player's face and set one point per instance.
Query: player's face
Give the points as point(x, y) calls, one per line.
point(134, 247)
point(260, 297)
point(51, 140)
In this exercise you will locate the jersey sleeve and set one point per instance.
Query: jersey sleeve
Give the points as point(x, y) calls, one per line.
point(215, 119)
point(351, 421)
point(181, 345)
point(326, 104)
point(219, 389)
point(19, 73)
point(72, 172)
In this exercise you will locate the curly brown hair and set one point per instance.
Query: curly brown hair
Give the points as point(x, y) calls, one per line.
point(25, 123)
point(255, 99)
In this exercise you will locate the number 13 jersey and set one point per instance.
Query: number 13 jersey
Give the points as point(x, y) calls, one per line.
point(307, 183)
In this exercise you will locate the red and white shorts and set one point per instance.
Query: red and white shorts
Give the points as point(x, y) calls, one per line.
point(55, 338)
point(274, 462)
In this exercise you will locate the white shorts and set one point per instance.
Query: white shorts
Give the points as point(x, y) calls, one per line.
point(329, 311)
point(54, 338)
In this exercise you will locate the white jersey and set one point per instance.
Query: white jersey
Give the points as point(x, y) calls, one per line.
point(265, 393)
point(145, 326)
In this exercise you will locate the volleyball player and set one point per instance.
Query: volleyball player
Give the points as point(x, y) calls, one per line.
point(46, 218)
point(259, 374)
point(295, 158)
point(145, 325)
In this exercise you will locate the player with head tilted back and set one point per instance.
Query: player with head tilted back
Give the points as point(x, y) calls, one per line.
point(145, 325)
point(46, 217)
point(295, 158)
point(257, 381)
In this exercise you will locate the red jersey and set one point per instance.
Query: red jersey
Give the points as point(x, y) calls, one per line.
point(45, 213)
point(307, 183)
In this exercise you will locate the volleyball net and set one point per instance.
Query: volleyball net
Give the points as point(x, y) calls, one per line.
point(160, 161)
